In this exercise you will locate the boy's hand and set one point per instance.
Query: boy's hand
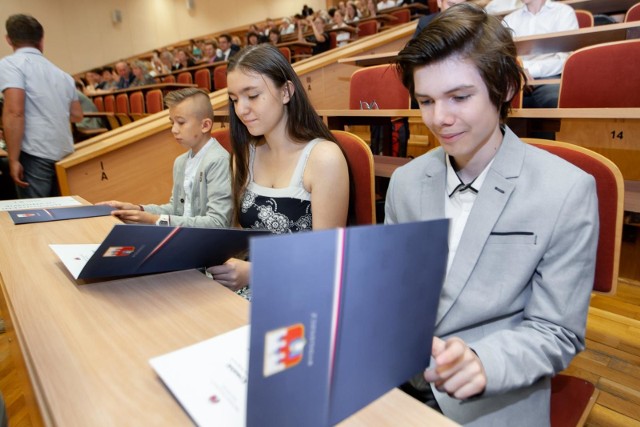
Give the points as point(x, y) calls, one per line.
point(458, 371)
point(233, 274)
point(120, 205)
point(136, 216)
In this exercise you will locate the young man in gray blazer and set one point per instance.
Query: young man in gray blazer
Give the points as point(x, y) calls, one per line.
point(524, 229)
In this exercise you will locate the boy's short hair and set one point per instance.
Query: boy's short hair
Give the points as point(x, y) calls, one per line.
point(199, 96)
point(467, 31)
point(24, 30)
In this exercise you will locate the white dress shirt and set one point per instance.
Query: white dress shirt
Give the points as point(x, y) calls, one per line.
point(553, 17)
point(458, 201)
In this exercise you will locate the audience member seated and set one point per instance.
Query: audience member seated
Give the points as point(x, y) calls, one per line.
point(87, 106)
point(95, 82)
point(500, 6)
point(226, 49)
point(109, 78)
point(289, 173)
point(237, 41)
point(209, 52)
point(196, 49)
point(425, 19)
point(253, 38)
point(126, 75)
point(288, 26)
point(183, 60)
point(168, 61)
point(514, 303)
point(274, 36)
point(141, 71)
point(541, 17)
point(351, 14)
point(319, 36)
point(342, 37)
point(201, 195)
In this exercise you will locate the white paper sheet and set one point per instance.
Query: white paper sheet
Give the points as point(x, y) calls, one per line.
point(209, 379)
point(74, 257)
point(45, 202)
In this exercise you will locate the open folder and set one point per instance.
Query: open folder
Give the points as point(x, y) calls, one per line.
point(338, 318)
point(143, 249)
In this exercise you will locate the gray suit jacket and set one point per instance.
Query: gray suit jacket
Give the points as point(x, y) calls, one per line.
point(519, 286)
point(211, 202)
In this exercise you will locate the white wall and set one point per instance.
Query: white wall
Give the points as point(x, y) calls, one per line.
point(80, 35)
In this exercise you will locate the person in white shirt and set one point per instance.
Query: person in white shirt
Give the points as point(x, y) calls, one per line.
point(542, 17)
point(495, 7)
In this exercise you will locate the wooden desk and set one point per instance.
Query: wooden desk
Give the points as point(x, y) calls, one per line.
point(86, 348)
point(192, 70)
point(602, 6)
point(613, 132)
point(165, 87)
point(565, 41)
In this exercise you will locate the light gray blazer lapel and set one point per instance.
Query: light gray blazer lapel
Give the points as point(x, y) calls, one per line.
point(492, 198)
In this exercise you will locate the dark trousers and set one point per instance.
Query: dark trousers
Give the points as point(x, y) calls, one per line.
point(41, 176)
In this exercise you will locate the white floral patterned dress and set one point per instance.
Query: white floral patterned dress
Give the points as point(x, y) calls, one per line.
point(279, 210)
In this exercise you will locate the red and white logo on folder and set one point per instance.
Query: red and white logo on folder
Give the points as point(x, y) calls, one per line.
point(113, 251)
point(283, 348)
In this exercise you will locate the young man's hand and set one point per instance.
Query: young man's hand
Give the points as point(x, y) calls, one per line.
point(458, 370)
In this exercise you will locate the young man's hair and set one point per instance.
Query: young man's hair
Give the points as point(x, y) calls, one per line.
point(24, 30)
point(199, 96)
point(227, 37)
point(468, 32)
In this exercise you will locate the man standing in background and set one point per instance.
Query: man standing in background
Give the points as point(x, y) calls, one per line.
point(40, 100)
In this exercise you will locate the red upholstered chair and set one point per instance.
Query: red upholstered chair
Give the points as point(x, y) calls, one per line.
point(223, 136)
point(169, 79)
point(220, 77)
point(572, 398)
point(633, 14)
point(136, 103)
point(286, 52)
point(585, 18)
point(403, 15)
point(110, 104)
point(122, 103)
point(333, 40)
point(203, 79)
point(433, 6)
point(602, 76)
point(379, 83)
point(367, 28)
point(98, 101)
point(185, 78)
point(362, 195)
point(155, 101)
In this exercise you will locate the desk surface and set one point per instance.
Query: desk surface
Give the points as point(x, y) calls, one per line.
point(87, 347)
point(565, 41)
point(163, 86)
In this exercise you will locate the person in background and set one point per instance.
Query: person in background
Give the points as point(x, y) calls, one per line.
point(87, 107)
point(168, 61)
point(209, 52)
point(425, 19)
point(542, 17)
point(201, 195)
point(253, 38)
point(289, 175)
point(109, 79)
point(226, 49)
point(523, 230)
point(196, 49)
point(319, 36)
point(39, 102)
point(342, 37)
point(183, 60)
point(141, 73)
point(126, 75)
point(237, 41)
point(351, 15)
point(274, 36)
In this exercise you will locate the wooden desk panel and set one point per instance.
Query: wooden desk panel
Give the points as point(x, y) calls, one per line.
point(602, 6)
point(86, 347)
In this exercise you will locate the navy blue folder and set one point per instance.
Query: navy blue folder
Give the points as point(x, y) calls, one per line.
point(28, 216)
point(339, 318)
point(144, 249)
